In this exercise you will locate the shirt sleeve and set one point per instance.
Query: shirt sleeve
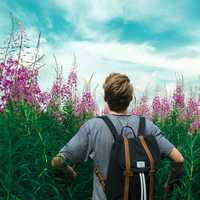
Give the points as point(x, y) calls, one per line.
point(79, 147)
point(165, 146)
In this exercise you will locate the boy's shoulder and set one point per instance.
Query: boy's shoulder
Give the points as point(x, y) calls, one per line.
point(95, 121)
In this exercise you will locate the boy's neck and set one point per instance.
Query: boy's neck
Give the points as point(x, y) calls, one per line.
point(118, 113)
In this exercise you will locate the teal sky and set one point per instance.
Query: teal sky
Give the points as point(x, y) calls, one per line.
point(149, 40)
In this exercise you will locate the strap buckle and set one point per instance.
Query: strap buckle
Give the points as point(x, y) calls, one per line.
point(128, 173)
point(100, 178)
point(152, 172)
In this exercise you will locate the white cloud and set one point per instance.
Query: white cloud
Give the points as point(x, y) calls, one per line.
point(161, 14)
point(141, 54)
point(101, 58)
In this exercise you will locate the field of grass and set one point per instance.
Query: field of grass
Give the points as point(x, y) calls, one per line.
point(29, 139)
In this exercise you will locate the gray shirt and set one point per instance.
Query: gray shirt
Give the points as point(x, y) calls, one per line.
point(94, 140)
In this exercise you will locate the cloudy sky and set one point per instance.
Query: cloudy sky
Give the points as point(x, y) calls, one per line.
point(149, 40)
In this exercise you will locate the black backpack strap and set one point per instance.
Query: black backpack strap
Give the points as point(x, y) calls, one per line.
point(110, 126)
point(141, 129)
point(125, 127)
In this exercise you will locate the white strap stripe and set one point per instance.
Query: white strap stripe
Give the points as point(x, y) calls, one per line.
point(141, 186)
point(144, 182)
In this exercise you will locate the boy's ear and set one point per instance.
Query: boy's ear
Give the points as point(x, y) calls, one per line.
point(131, 98)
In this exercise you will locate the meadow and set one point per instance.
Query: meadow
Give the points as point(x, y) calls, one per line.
point(35, 124)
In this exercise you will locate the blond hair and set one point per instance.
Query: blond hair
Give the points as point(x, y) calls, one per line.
point(118, 91)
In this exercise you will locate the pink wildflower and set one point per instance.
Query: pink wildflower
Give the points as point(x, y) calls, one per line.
point(195, 125)
point(79, 108)
point(142, 108)
point(192, 107)
point(156, 105)
point(72, 78)
point(178, 97)
point(165, 107)
point(88, 101)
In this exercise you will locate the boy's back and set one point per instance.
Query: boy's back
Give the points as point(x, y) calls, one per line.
point(95, 140)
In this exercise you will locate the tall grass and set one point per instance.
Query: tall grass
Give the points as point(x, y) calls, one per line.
point(29, 140)
point(176, 131)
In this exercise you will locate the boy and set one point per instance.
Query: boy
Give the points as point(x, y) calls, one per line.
point(95, 141)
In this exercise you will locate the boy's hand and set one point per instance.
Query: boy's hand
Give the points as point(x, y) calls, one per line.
point(57, 161)
point(69, 170)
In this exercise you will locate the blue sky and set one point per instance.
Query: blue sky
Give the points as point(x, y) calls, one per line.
point(149, 40)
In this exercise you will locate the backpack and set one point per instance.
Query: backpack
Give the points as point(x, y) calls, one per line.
point(132, 165)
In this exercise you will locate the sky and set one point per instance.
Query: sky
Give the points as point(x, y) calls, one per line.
point(153, 42)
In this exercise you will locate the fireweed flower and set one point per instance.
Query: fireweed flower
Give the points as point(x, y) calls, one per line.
point(79, 107)
point(72, 85)
point(66, 93)
point(142, 108)
point(56, 89)
point(44, 98)
point(62, 92)
point(183, 115)
point(2, 100)
point(192, 107)
point(88, 101)
point(195, 126)
point(72, 78)
point(165, 107)
point(56, 94)
point(18, 82)
point(178, 97)
point(156, 105)
point(84, 104)
point(190, 110)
